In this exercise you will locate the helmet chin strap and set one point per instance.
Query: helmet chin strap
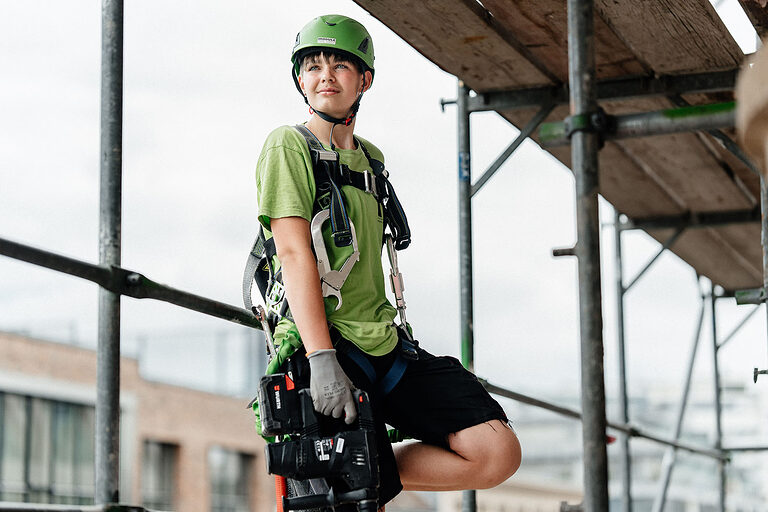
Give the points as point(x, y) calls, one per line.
point(338, 120)
point(346, 121)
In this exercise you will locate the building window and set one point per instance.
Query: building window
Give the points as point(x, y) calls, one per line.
point(158, 475)
point(229, 473)
point(46, 450)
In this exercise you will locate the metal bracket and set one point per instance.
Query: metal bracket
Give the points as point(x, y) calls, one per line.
point(444, 102)
point(565, 251)
point(751, 296)
point(597, 121)
point(759, 372)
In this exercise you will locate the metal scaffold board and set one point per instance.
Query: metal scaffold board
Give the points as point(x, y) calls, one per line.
point(502, 45)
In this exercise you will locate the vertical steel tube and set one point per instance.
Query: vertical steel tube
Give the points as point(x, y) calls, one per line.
point(718, 404)
point(764, 240)
point(670, 455)
point(108, 372)
point(469, 498)
point(27, 453)
point(626, 473)
point(584, 148)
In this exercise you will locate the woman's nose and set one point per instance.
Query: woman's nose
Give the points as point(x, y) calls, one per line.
point(328, 74)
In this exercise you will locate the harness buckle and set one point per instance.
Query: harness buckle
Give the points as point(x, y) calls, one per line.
point(409, 350)
point(327, 156)
point(370, 183)
point(274, 297)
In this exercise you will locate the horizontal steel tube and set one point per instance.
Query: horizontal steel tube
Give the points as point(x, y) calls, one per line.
point(750, 296)
point(746, 449)
point(617, 88)
point(519, 397)
point(726, 141)
point(126, 282)
point(675, 120)
point(621, 427)
point(694, 220)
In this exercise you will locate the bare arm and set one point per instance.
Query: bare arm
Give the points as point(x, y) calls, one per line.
point(329, 385)
point(293, 242)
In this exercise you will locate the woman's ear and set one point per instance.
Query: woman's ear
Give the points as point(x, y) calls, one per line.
point(301, 84)
point(367, 79)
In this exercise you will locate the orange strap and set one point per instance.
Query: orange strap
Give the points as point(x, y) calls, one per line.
point(280, 491)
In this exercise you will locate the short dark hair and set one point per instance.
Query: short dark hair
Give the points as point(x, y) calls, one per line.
point(313, 53)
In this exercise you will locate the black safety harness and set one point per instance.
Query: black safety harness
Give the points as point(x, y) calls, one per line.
point(330, 176)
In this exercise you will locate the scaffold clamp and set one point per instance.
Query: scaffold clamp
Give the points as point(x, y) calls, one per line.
point(597, 121)
point(750, 296)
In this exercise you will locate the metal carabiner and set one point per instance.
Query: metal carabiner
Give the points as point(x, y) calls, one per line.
point(332, 280)
point(396, 282)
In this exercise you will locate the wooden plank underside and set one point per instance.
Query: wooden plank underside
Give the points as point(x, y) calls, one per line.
point(623, 182)
point(542, 26)
point(452, 35)
point(679, 172)
point(721, 254)
point(742, 172)
point(642, 177)
point(672, 36)
point(731, 255)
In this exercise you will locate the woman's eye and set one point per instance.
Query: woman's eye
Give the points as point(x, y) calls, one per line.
point(341, 66)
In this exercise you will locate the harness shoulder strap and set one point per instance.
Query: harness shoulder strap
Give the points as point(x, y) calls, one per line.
point(325, 165)
point(393, 210)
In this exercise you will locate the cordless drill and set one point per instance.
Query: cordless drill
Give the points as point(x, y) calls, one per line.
point(319, 447)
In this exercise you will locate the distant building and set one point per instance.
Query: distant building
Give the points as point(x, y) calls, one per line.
point(553, 450)
point(181, 449)
point(190, 451)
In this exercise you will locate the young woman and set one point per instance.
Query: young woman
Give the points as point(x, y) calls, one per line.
point(463, 437)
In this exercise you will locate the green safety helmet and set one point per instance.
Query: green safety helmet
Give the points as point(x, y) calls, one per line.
point(335, 32)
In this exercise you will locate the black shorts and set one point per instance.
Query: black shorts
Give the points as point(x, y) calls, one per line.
point(436, 396)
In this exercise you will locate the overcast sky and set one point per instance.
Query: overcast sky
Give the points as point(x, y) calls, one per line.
point(205, 82)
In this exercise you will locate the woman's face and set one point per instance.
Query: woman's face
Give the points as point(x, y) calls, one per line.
point(332, 85)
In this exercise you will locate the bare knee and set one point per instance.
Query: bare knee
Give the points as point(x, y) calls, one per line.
point(494, 450)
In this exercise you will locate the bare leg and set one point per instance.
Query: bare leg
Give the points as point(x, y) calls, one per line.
point(480, 457)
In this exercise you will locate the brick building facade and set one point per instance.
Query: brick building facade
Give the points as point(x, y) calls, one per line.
point(180, 448)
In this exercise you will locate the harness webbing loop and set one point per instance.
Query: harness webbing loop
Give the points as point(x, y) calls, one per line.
point(384, 384)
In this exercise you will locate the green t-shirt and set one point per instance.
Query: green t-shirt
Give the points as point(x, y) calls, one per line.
point(286, 188)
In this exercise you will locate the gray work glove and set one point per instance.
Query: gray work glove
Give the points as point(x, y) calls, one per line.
point(329, 386)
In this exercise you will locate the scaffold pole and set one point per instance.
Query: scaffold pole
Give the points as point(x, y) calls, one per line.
point(626, 468)
point(764, 241)
point(469, 497)
point(584, 148)
point(718, 402)
point(107, 459)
